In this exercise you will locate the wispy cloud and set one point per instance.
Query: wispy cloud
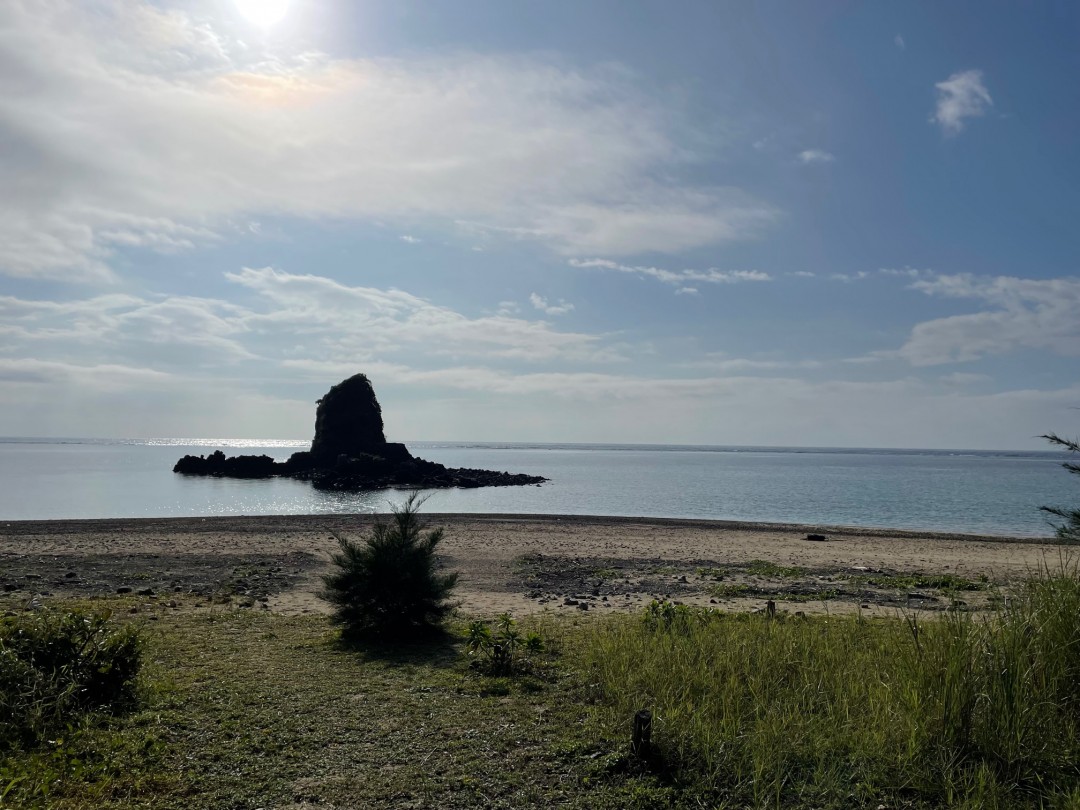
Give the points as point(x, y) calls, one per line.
point(960, 97)
point(898, 41)
point(353, 322)
point(808, 156)
point(156, 131)
point(684, 279)
point(411, 240)
point(287, 316)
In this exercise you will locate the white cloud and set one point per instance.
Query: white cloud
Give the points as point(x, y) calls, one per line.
point(679, 278)
point(899, 42)
point(541, 303)
point(688, 291)
point(412, 240)
point(364, 322)
point(809, 156)
point(963, 95)
point(155, 131)
point(1025, 314)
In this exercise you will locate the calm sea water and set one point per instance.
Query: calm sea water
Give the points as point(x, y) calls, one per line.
point(964, 491)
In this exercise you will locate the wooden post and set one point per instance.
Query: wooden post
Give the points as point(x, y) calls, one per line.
point(770, 608)
point(641, 738)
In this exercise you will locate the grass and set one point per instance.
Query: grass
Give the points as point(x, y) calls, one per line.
point(844, 711)
point(249, 709)
point(241, 708)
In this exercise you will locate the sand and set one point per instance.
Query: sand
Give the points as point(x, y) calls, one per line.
point(520, 563)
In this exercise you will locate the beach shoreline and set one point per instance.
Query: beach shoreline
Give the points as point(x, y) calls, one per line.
point(523, 563)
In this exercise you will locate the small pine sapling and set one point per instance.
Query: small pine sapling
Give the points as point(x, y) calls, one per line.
point(389, 585)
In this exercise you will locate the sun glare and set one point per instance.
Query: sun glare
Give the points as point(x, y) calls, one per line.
point(263, 12)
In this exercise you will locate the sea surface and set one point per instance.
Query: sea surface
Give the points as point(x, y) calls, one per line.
point(984, 492)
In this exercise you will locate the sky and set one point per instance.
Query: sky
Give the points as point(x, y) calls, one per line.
point(731, 223)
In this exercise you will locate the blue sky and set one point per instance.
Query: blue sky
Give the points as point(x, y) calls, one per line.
point(818, 224)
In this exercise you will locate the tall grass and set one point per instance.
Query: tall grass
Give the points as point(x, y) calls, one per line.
point(846, 711)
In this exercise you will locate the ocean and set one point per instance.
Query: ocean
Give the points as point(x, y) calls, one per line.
point(983, 492)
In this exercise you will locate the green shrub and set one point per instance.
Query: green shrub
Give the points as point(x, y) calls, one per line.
point(389, 585)
point(54, 668)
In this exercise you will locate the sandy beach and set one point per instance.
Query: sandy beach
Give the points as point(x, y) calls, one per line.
point(522, 563)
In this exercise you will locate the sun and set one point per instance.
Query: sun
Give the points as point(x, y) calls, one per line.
point(263, 12)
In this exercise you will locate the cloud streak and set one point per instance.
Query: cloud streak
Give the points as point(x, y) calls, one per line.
point(683, 279)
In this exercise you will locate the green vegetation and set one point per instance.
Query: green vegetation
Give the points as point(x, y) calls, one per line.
point(389, 586)
point(506, 651)
point(239, 708)
point(844, 711)
point(56, 668)
point(62, 676)
point(250, 709)
point(1070, 529)
point(607, 573)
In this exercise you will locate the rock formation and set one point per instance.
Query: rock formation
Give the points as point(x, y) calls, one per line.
point(350, 453)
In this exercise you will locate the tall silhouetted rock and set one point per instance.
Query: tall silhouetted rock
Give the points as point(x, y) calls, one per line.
point(350, 452)
point(348, 422)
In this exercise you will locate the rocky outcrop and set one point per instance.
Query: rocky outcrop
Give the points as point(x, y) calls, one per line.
point(348, 422)
point(350, 453)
